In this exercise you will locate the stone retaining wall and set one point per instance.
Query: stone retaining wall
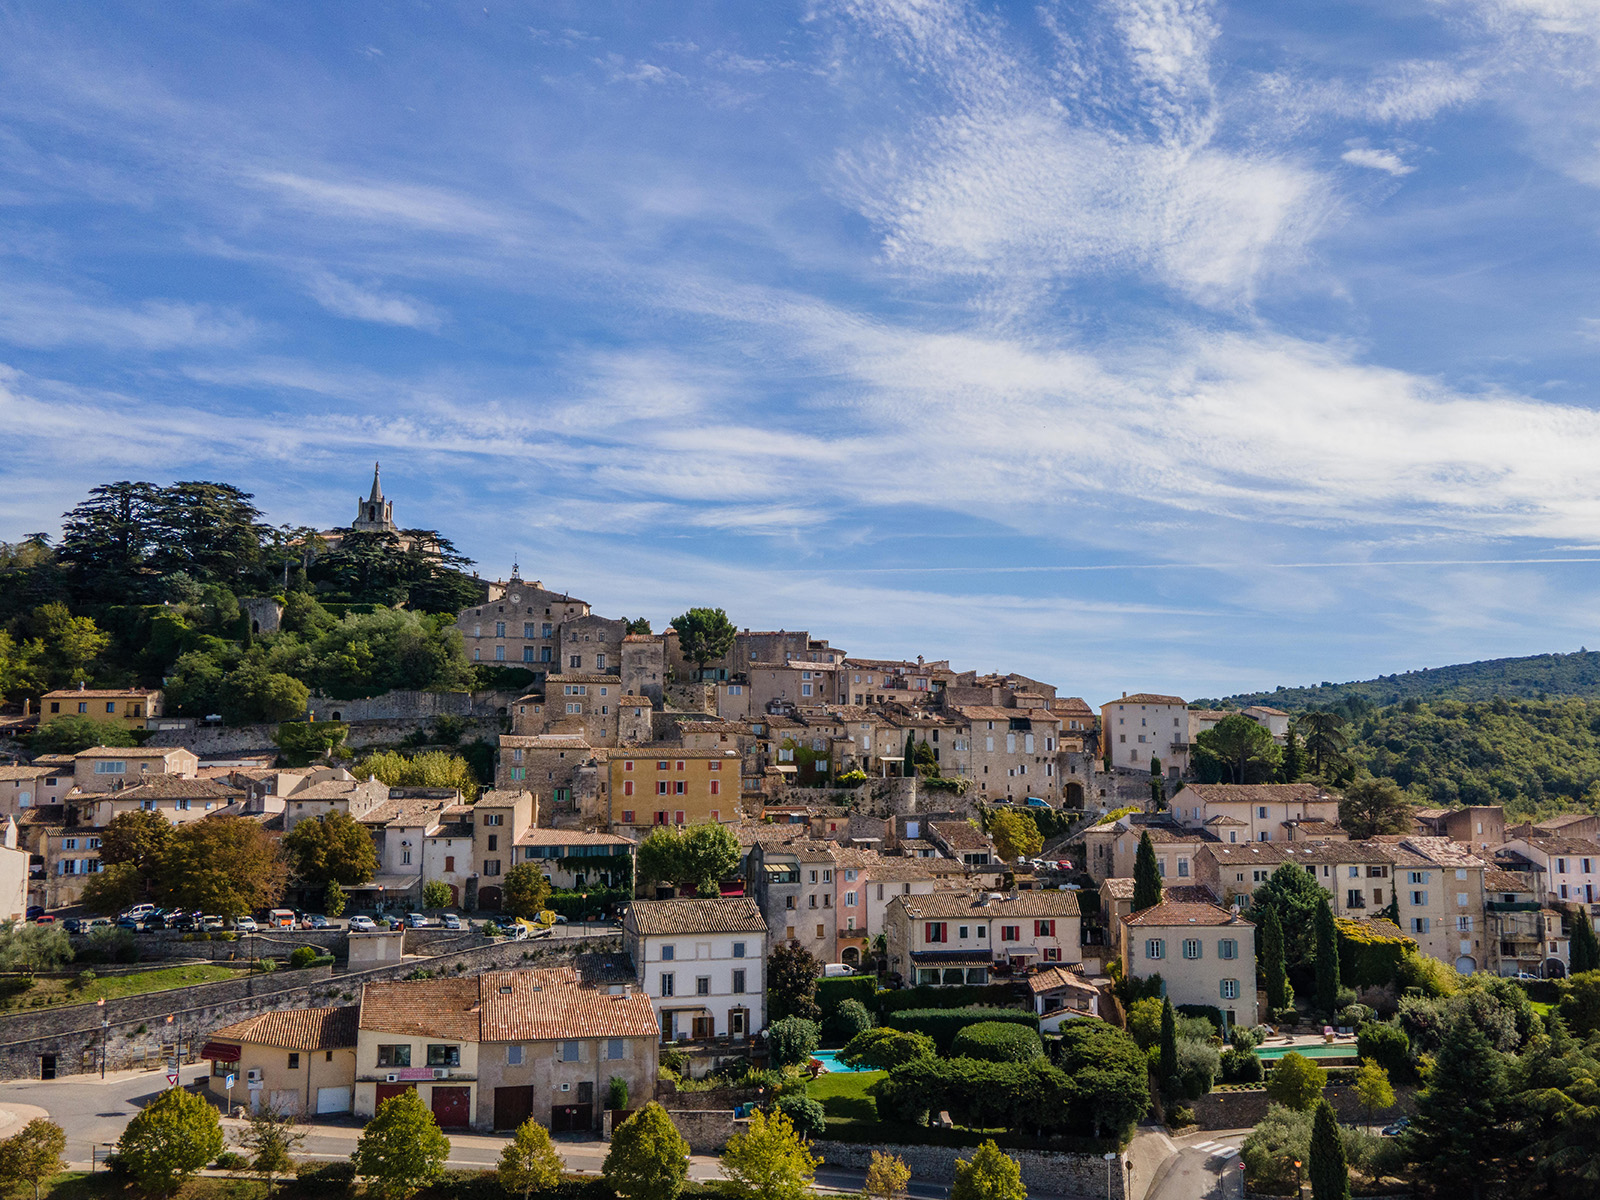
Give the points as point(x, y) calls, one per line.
point(73, 1034)
point(1241, 1110)
point(1051, 1172)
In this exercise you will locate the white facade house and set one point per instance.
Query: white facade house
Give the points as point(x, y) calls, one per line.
point(1571, 866)
point(1205, 954)
point(702, 963)
point(1137, 728)
point(1254, 812)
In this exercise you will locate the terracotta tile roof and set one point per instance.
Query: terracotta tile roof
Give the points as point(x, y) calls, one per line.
point(548, 1005)
point(10, 773)
point(1448, 853)
point(897, 869)
point(334, 789)
point(1555, 844)
point(1184, 913)
point(662, 753)
point(1335, 853)
point(990, 712)
point(296, 1029)
point(1562, 821)
point(958, 835)
point(977, 904)
point(1147, 698)
point(732, 914)
point(1496, 880)
point(1059, 977)
point(1260, 793)
point(427, 1008)
point(102, 694)
point(570, 837)
point(1253, 853)
point(163, 787)
point(540, 741)
point(1163, 835)
point(130, 752)
point(1122, 889)
point(1073, 705)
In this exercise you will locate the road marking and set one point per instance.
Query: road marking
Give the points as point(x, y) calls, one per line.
point(1225, 1151)
point(1207, 1145)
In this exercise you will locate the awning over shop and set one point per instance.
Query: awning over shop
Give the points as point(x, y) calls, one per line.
point(220, 1052)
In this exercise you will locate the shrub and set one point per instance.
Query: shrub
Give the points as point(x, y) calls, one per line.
point(804, 1113)
point(997, 1041)
point(1241, 1066)
point(1428, 975)
point(834, 991)
point(1198, 1066)
point(886, 1049)
point(230, 1160)
point(1179, 1117)
point(267, 965)
point(84, 979)
point(617, 1094)
point(970, 995)
point(1144, 1021)
point(1367, 956)
point(793, 1040)
point(302, 957)
point(1353, 1016)
point(1210, 1012)
point(1296, 1082)
point(942, 1025)
point(848, 1019)
point(1287, 1015)
point(326, 1179)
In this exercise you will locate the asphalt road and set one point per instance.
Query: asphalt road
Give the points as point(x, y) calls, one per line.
point(94, 1113)
point(1205, 1167)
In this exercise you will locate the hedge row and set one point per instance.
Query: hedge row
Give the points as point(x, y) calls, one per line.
point(833, 992)
point(994, 995)
point(942, 1024)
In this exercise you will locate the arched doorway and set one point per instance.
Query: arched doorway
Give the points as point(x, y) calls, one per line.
point(850, 956)
point(1074, 795)
point(1466, 965)
point(1554, 968)
point(489, 897)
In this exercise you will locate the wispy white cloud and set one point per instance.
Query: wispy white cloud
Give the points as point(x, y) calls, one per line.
point(47, 316)
point(346, 299)
point(387, 202)
point(1379, 160)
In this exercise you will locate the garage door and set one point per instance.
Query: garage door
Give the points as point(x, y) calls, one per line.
point(452, 1106)
point(388, 1091)
point(512, 1106)
point(333, 1100)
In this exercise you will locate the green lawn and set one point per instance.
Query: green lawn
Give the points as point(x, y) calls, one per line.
point(843, 1095)
point(1540, 1007)
point(111, 987)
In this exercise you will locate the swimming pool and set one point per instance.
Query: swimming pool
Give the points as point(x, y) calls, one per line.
point(830, 1062)
point(1314, 1050)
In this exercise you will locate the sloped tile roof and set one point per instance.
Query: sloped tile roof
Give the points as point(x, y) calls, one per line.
point(731, 914)
point(547, 1005)
point(296, 1029)
point(426, 1008)
point(1259, 793)
point(1015, 904)
point(1147, 698)
point(1184, 913)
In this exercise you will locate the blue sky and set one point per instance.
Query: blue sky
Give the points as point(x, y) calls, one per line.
point(1147, 344)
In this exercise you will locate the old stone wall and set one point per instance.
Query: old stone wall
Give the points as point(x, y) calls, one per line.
point(413, 706)
point(1046, 1171)
point(215, 741)
point(138, 1033)
point(1241, 1110)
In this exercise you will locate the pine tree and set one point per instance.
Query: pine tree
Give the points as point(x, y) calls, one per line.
point(1327, 960)
point(1585, 950)
point(1330, 1173)
point(1457, 1134)
point(1272, 965)
point(1169, 1048)
point(1146, 876)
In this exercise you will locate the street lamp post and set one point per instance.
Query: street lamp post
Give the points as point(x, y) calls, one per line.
point(1110, 1158)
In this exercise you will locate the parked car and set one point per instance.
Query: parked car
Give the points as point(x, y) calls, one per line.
point(134, 923)
point(75, 925)
point(245, 924)
point(390, 921)
point(418, 920)
point(140, 911)
point(1397, 1128)
point(451, 921)
point(210, 922)
point(313, 921)
point(44, 919)
point(363, 925)
point(35, 911)
point(183, 921)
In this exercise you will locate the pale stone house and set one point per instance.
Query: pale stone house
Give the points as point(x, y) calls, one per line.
point(1146, 725)
point(947, 938)
point(1204, 953)
point(702, 963)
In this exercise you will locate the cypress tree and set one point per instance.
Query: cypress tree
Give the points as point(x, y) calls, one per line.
point(1327, 960)
point(1585, 946)
point(1272, 967)
point(1146, 876)
point(1169, 1048)
point(1158, 791)
point(1294, 758)
point(909, 767)
point(1330, 1173)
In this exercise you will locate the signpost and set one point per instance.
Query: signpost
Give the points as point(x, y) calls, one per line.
point(172, 1077)
point(227, 1084)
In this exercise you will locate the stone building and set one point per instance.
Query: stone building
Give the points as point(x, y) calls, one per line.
point(1137, 728)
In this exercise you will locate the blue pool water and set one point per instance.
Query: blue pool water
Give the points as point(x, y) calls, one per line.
point(830, 1061)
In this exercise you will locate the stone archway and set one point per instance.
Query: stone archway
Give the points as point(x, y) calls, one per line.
point(1072, 795)
point(850, 956)
point(1554, 968)
point(1466, 965)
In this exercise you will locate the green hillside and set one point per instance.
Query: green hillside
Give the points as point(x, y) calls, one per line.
point(1536, 677)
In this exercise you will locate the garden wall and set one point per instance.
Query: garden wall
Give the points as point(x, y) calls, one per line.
point(1051, 1172)
point(1242, 1109)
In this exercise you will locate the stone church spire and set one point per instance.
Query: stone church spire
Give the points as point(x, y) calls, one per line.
point(377, 491)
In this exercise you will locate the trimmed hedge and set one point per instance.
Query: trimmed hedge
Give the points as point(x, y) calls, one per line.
point(997, 1041)
point(1209, 1011)
point(994, 995)
point(943, 1024)
point(1368, 958)
point(833, 992)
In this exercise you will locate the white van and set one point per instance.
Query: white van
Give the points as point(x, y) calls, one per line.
point(833, 970)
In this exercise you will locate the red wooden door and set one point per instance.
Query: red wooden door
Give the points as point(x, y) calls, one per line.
point(452, 1107)
point(388, 1091)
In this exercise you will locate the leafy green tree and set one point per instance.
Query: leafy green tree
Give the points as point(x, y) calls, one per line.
point(1294, 896)
point(72, 734)
point(709, 854)
point(1585, 947)
point(1330, 1173)
point(21, 666)
point(1293, 765)
point(333, 900)
point(648, 1159)
point(1144, 1020)
point(1111, 1076)
point(1146, 875)
point(32, 1155)
point(659, 858)
point(1296, 1082)
point(1158, 788)
point(1371, 807)
point(1580, 1005)
point(793, 1040)
point(525, 891)
point(367, 654)
point(1169, 1048)
point(1373, 1088)
point(638, 626)
point(105, 540)
point(990, 1174)
point(1238, 750)
point(168, 1141)
point(769, 1160)
point(222, 865)
point(617, 1094)
point(704, 634)
point(1015, 835)
point(272, 1137)
point(887, 1176)
point(884, 1049)
point(1325, 740)
point(433, 769)
point(137, 838)
point(30, 948)
point(303, 741)
point(927, 764)
point(849, 1019)
point(1458, 1135)
point(1327, 960)
point(435, 894)
point(118, 887)
point(402, 1149)
point(69, 645)
point(1273, 967)
point(332, 848)
point(252, 694)
point(529, 1163)
point(792, 984)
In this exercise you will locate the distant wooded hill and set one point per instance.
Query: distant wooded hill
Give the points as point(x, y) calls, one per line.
point(1536, 677)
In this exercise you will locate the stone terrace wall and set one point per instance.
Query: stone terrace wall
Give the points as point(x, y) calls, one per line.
point(73, 1033)
point(1045, 1171)
point(413, 706)
point(1241, 1110)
